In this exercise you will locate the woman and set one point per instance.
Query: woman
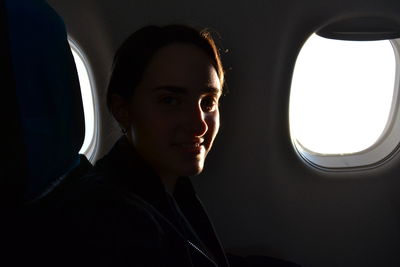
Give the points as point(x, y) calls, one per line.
point(137, 207)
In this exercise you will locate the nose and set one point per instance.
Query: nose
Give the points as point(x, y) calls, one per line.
point(196, 124)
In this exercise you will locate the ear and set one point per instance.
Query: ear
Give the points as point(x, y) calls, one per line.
point(120, 110)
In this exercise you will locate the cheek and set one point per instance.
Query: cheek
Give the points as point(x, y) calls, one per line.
point(213, 124)
point(144, 124)
point(151, 126)
point(155, 128)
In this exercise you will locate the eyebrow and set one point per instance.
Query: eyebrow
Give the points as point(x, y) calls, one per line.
point(172, 89)
point(182, 90)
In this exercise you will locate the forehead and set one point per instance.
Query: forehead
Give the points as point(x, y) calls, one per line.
point(182, 65)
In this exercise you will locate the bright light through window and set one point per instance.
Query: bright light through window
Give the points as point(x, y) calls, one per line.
point(341, 94)
point(87, 99)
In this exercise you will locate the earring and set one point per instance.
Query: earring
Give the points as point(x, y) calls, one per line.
point(124, 131)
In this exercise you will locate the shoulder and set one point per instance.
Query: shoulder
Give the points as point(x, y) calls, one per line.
point(96, 226)
point(97, 219)
point(92, 202)
point(96, 195)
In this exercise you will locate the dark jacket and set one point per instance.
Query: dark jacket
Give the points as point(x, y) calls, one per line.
point(121, 215)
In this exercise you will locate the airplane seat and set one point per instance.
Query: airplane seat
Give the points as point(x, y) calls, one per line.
point(48, 105)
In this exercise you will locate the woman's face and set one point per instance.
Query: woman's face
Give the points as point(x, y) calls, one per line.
point(174, 115)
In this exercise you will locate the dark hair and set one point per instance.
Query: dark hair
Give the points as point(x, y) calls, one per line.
point(137, 50)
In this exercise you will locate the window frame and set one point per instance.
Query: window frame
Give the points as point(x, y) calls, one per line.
point(376, 155)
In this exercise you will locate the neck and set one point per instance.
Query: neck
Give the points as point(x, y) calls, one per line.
point(169, 183)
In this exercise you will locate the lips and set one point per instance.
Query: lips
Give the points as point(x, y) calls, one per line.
point(192, 147)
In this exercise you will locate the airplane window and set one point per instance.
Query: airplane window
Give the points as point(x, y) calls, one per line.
point(87, 99)
point(342, 100)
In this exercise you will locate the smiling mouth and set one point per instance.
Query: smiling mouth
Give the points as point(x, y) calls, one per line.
point(191, 147)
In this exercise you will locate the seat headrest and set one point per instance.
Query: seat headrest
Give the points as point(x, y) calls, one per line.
point(47, 89)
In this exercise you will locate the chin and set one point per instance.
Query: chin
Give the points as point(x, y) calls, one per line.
point(191, 170)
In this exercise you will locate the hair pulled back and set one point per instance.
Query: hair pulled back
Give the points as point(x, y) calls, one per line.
point(136, 51)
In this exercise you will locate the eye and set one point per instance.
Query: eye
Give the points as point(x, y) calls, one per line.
point(170, 100)
point(209, 104)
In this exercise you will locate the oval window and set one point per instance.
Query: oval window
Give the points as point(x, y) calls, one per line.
point(343, 101)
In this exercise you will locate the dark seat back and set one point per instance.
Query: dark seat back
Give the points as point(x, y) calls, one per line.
point(48, 107)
